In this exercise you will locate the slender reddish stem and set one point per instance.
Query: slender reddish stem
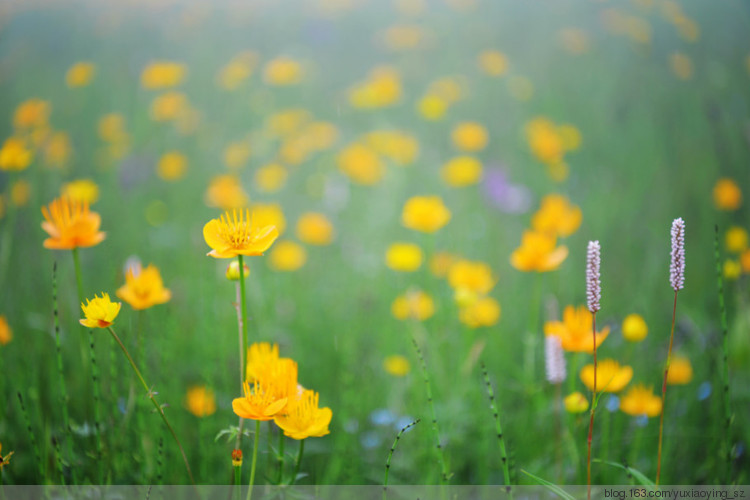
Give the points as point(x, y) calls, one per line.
point(664, 389)
point(591, 419)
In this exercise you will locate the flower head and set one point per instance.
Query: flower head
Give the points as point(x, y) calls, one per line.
point(70, 224)
point(100, 312)
point(268, 395)
point(593, 283)
point(315, 229)
point(144, 289)
point(576, 403)
point(482, 311)
point(302, 418)
point(425, 213)
point(236, 458)
point(82, 190)
point(162, 75)
point(610, 376)
point(226, 192)
point(538, 253)
point(414, 304)
point(200, 401)
point(727, 195)
point(14, 155)
point(288, 256)
point(6, 334)
point(680, 371)
point(634, 328)
point(640, 400)
point(461, 171)
point(736, 239)
point(396, 365)
point(557, 216)
point(80, 74)
point(575, 330)
point(232, 235)
point(677, 267)
point(262, 357)
point(470, 136)
point(470, 276)
point(404, 257)
point(554, 359)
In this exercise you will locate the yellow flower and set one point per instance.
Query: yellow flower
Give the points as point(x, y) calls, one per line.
point(262, 357)
point(111, 128)
point(484, 311)
point(404, 257)
point(432, 107)
point(4, 459)
point(270, 394)
point(414, 304)
point(461, 171)
point(288, 121)
point(610, 376)
point(361, 164)
point(545, 141)
point(440, 264)
point(470, 136)
point(225, 192)
point(81, 190)
point(425, 213)
point(736, 239)
point(302, 418)
point(475, 277)
point(680, 371)
point(399, 147)
point(727, 195)
point(382, 88)
point(6, 334)
point(237, 70)
point(745, 261)
point(557, 216)
point(20, 192)
point(640, 400)
point(233, 271)
point(448, 88)
point(320, 135)
point(168, 106)
point(396, 365)
point(236, 154)
point(282, 71)
point(70, 224)
point(163, 75)
point(538, 253)
point(32, 113)
point(493, 62)
point(681, 66)
point(80, 74)
point(732, 269)
point(144, 288)
point(634, 328)
point(57, 150)
point(200, 401)
point(270, 178)
point(269, 214)
point(230, 235)
point(575, 330)
point(14, 155)
point(576, 403)
point(100, 312)
point(314, 229)
point(287, 256)
point(172, 166)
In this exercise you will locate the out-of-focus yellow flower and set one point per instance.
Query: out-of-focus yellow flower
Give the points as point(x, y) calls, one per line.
point(640, 400)
point(538, 253)
point(168, 106)
point(574, 41)
point(303, 419)
point(399, 147)
point(449, 88)
point(682, 66)
point(232, 235)
point(473, 276)
point(320, 135)
point(314, 229)
point(680, 371)
point(57, 150)
point(270, 178)
point(570, 135)
point(736, 239)
point(236, 154)
point(493, 62)
point(470, 136)
point(112, 128)
point(610, 376)
point(441, 262)
point(634, 328)
point(6, 334)
point(82, 190)
point(99, 312)
point(14, 155)
point(432, 107)
point(287, 256)
point(269, 395)
point(575, 330)
point(545, 141)
point(520, 88)
point(233, 271)
point(2, 206)
point(282, 71)
point(396, 365)
point(576, 403)
point(163, 75)
point(20, 192)
point(361, 164)
point(33, 113)
point(484, 311)
point(238, 70)
point(727, 194)
point(200, 401)
point(732, 269)
point(144, 289)
point(225, 192)
point(381, 88)
point(269, 214)
point(414, 304)
point(461, 171)
point(404, 37)
point(557, 216)
point(70, 224)
point(425, 213)
point(288, 121)
point(404, 257)
point(172, 166)
point(745, 261)
point(80, 74)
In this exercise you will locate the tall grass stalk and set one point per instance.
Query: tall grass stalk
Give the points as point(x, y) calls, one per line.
point(32, 437)
point(498, 428)
point(393, 449)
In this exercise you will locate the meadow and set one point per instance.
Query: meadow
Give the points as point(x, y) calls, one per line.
point(424, 179)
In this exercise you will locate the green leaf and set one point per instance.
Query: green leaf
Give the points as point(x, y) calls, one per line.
point(638, 475)
point(550, 486)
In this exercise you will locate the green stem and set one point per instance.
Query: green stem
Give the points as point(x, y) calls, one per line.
point(280, 457)
point(498, 429)
point(150, 394)
point(664, 391)
point(243, 311)
point(393, 449)
point(237, 482)
point(256, 439)
point(298, 462)
point(727, 451)
point(32, 437)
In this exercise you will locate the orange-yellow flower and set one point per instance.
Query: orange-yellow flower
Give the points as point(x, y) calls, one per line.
point(32, 113)
point(493, 63)
point(538, 253)
point(14, 155)
point(736, 239)
point(200, 401)
point(282, 71)
point(640, 400)
point(404, 257)
point(261, 359)
point(727, 195)
point(634, 328)
point(269, 395)
point(425, 213)
point(287, 256)
point(171, 166)
point(557, 216)
point(100, 312)
point(610, 376)
point(314, 229)
point(396, 365)
point(361, 164)
point(270, 178)
point(162, 75)
point(230, 235)
point(575, 330)
point(6, 334)
point(471, 276)
point(461, 171)
point(576, 403)
point(470, 136)
point(225, 192)
point(484, 311)
point(303, 419)
point(82, 190)
point(80, 74)
point(414, 304)
point(680, 371)
point(269, 214)
point(144, 289)
point(70, 224)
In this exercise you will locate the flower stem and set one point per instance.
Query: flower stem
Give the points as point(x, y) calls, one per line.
point(256, 439)
point(532, 338)
point(158, 407)
point(280, 457)
point(243, 318)
point(393, 449)
point(664, 390)
point(238, 482)
point(498, 429)
point(727, 451)
point(591, 419)
point(298, 461)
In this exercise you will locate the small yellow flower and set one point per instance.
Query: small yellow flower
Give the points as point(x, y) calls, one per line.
point(404, 37)
point(169, 106)
point(575, 330)
point(282, 71)
point(432, 107)
point(200, 401)
point(172, 166)
point(238, 70)
point(288, 121)
point(576, 403)
point(414, 304)
point(545, 141)
point(81, 190)
point(268, 396)
point(736, 239)
point(610, 376)
point(233, 271)
point(269, 214)
point(144, 289)
point(425, 213)
point(287, 256)
point(727, 195)
point(538, 253)
point(640, 400)
point(315, 229)
point(396, 365)
point(493, 62)
point(470, 136)
point(6, 334)
point(111, 128)
point(270, 178)
point(399, 147)
point(302, 418)
point(232, 235)
point(162, 75)
point(381, 88)
point(80, 74)
point(732, 269)
point(33, 113)
point(557, 216)
point(100, 312)
point(226, 192)
point(404, 257)
point(473, 276)
point(361, 164)
point(4, 459)
point(14, 155)
point(70, 224)
point(634, 328)
point(484, 311)
point(745, 261)
point(461, 171)
point(680, 371)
